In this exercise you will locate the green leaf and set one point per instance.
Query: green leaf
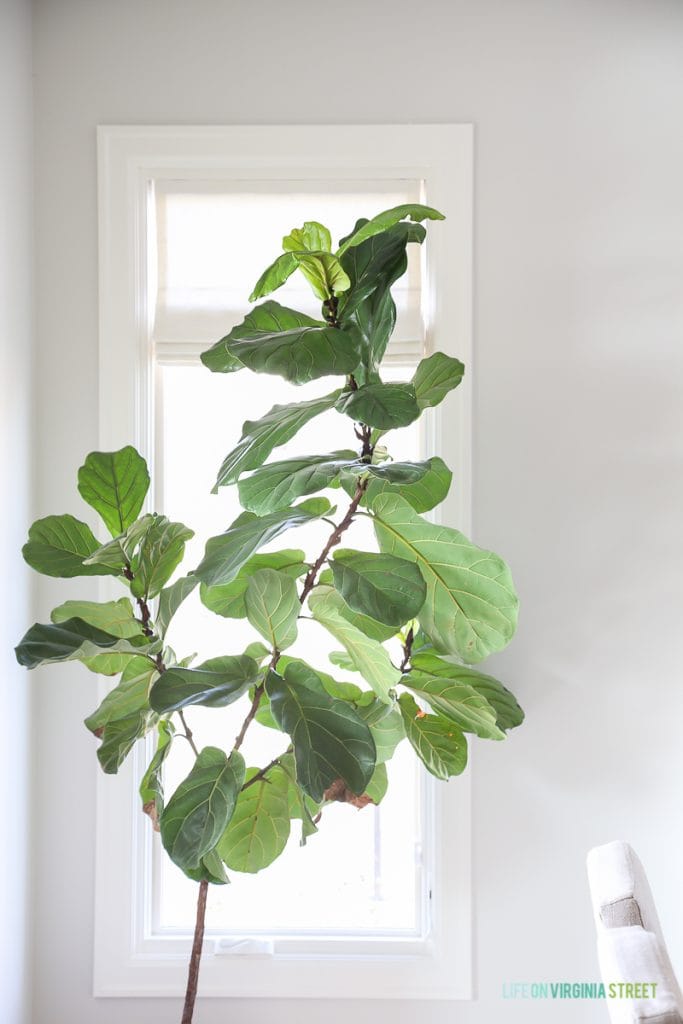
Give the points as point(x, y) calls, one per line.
point(170, 600)
point(228, 600)
point(259, 437)
point(114, 617)
point(215, 684)
point(59, 545)
point(275, 339)
point(435, 377)
point(198, 813)
point(161, 550)
point(330, 740)
point(259, 828)
point(274, 276)
point(385, 406)
point(124, 715)
point(119, 552)
point(151, 787)
point(272, 604)
point(324, 273)
point(378, 785)
point(313, 237)
point(129, 696)
point(508, 712)
point(219, 359)
point(115, 485)
point(456, 701)
point(277, 484)
point(409, 211)
point(300, 804)
point(386, 725)
point(369, 657)
point(471, 605)
point(424, 485)
point(439, 744)
point(225, 554)
point(385, 587)
point(69, 641)
point(373, 267)
point(210, 870)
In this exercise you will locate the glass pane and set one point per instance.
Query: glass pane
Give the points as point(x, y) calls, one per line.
point(358, 875)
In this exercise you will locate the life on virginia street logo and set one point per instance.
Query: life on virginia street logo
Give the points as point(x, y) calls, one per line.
point(579, 990)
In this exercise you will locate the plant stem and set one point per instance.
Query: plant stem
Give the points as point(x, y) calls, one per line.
point(332, 540)
point(196, 955)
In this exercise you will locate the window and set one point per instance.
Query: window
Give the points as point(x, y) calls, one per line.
point(188, 219)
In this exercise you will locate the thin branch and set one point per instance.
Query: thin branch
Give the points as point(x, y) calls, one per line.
point(263, 771)
point(188, 734)
point(407, 651)
point(196, 955)
point(332, 540)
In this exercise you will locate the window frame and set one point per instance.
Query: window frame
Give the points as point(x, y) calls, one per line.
point(127, 961)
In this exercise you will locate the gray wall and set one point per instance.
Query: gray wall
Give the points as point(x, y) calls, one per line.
point(579, 424)
point(16, 394)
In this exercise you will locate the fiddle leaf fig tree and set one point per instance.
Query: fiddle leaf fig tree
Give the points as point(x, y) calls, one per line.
point(409, 620)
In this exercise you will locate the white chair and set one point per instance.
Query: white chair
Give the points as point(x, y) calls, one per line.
point(631, 947)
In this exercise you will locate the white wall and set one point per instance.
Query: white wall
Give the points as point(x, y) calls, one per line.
point(16, 340)
point(578, 417)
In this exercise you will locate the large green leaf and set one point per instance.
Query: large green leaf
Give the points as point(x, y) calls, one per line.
point(277, 484)
point(312, 237)
point(508, 712)
point(439, 744)
point(124, 715)
point(115, 485)
point(471, 605)
point(161, 550)
point(228, 600)
point(434, 377)
point(272, 604)
point(384, 406)
point(151, 787)
point(424, 485)
point(457, 701)
point(274, 339)
point(330, 739)
point(389, 589)
point(170, 600)
point(114, 617)
point(373, 267)
point(225, 555)
point(59, 545)
point(215, 683)
point(385, 220)
point(71, 640)
point(198, 813)
point(259, 828)
point(259, 437)
point(369, 657)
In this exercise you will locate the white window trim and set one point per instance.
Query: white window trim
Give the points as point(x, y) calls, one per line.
point(127, 961)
